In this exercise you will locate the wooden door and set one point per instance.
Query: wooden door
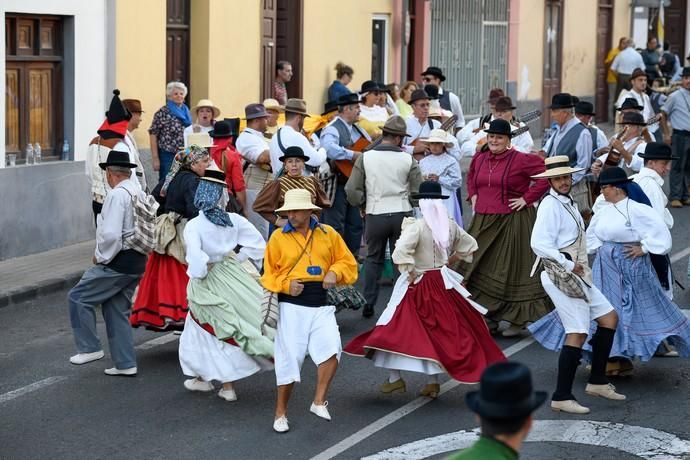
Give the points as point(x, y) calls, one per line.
point(289, 41)
point(268, 47)
point(674, 26)
point(553, 51)
point(177, 41)
point(604, 43)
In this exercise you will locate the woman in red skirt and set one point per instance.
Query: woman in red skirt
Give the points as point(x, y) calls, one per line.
point(430, 325)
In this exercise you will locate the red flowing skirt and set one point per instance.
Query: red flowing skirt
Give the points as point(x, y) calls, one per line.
point(435, 324)
point(161, 300)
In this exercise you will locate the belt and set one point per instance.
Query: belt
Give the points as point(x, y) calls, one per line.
point(681, 132)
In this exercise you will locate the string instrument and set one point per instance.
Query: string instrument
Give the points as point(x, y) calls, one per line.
point(527, 117)
point(613, 157)
point(363, 144)
point(446, 126)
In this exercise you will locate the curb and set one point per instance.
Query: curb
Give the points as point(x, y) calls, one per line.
point(44, 287)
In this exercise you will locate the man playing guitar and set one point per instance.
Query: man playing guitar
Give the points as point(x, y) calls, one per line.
point(419, 125)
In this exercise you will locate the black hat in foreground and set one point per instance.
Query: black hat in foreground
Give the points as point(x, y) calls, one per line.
point(613, 176)
point(505, 391)
point(499, 126)
point(294, 152)
point(657, 151)
point(430, 191)
point(118, 157)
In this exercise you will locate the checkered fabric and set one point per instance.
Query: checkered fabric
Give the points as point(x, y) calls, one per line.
point(345, 297)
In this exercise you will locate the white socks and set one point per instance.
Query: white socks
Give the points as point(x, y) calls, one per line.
point(394, 376)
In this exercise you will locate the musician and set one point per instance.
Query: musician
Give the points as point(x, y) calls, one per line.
point(584, 111)
point(676, 110)
point(449, 101)
point(291, 134)
point(338, 139)
point(638, 80)
point(419, 125)
point(372, 116)
point(503, 109)
point(572, 138)
point(624, 148)
point(481, 123)
point(381, 182)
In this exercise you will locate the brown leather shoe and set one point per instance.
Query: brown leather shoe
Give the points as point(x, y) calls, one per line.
point(393, 387)
point(676, 204)
point(431, 390)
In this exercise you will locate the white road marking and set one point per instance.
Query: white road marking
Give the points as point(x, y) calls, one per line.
point(10, 395)
point(676, 257)
point(162, 340)
point(645, 443)
point(399, 413)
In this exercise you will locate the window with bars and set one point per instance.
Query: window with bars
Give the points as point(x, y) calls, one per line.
point(33, 84)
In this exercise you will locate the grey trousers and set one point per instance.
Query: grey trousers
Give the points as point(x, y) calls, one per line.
point(380, 230)
point(100, 285)
point(680, 169)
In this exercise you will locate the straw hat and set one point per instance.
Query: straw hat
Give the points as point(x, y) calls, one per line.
point(206, 103)
point(557, 166)
point(439, 136)
point(272, 104)
point(214, 174)
point(297, 199)
point(200, 139)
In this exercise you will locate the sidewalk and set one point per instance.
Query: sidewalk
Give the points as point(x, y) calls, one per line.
point(25, 278)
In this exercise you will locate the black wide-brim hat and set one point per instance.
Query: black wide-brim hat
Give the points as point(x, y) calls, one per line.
point(117, 158)
point(563, 101)
point(505, 392)
point(630, 103)
point(221, 129)
point(294, 152)
point(657, 151)
point(686, 70)
point(584, 108)
point(417, 95)
point(435, 71)
point(369, 86)
point(429, 190)
point(348, 99)
point(329, 107)
point(499, 126)
point(613, 176)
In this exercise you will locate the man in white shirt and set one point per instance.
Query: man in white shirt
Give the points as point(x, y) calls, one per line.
point(625, 152)
point(558, 238)
point(419, 125)
point(134, 107)
point(638, 81)
point(625, 63)
point(112, 280)
point(253, 147)
point(449, 101)
point(291, 134)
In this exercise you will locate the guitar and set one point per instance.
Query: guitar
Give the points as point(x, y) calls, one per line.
point(362, 144)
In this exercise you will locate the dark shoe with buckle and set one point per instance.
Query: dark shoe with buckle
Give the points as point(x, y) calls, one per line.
point(368, 311)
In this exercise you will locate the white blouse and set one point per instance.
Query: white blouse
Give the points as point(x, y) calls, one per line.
point(610, 224)
point(444, 166)
point(207, 242)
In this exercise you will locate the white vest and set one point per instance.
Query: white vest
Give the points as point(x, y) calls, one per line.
point(386, 181)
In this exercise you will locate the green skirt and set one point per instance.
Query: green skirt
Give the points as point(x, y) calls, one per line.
point(229, 300)
point(499, 276)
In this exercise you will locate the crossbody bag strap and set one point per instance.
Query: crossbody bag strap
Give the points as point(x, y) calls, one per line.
point(280, 143)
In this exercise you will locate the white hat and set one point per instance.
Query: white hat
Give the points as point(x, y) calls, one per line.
point(206, 103)
point(438, 135)
point(557, 166)
point(272, 104)
point(200, 139)
point(297, 199)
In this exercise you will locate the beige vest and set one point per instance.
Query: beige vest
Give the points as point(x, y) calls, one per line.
point(386, 181)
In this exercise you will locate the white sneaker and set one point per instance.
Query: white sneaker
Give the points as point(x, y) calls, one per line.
point(83, 358)
point(198, 385)
point(321, 411)
point(129, 372)
point(280, 425)
point(228, 395)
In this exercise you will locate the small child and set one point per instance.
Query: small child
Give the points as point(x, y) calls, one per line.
point(441, 167)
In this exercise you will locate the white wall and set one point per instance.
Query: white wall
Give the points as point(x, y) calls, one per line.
point(90, 100)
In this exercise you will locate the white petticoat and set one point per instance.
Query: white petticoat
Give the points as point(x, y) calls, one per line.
point(203, 355)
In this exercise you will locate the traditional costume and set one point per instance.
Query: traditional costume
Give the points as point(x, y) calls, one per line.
point(222, 338)
point(418, 128)
point(430, 325)
point(447, 169)
point(161, 299)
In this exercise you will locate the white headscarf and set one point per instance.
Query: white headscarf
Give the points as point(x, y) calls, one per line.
point(435, 215)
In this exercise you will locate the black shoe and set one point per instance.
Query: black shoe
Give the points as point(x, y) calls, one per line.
point(368, 311)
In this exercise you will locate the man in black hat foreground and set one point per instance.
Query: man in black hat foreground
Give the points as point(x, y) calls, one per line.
point(112, 280)
point(676, 110)
point(381, 182)
point(449, 101)
point(338, 138)
point(573, 139)
point(504, 403)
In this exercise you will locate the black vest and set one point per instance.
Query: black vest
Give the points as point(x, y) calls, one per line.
point(444, 100)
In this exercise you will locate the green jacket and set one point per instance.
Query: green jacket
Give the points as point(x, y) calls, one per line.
point(486, 449)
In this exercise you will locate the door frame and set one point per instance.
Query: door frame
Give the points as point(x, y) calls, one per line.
point(386, 43)
point(602, 115)
point(547, 92)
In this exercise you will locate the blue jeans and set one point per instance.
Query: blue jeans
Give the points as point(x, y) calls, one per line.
point(166, 158)
point(113, 291)
point(345, 219)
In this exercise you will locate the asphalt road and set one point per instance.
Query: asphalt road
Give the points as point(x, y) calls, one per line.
point(52, 409)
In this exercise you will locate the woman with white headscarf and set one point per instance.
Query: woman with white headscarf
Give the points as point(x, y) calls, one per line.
point(430, 325)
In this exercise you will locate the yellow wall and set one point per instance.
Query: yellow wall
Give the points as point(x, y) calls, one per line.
point(339, 31)
point(578, 71)
point(530, 49)
point(140, 57)
point(621, 21)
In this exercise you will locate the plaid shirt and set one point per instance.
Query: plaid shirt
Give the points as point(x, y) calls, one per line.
point(280, 92)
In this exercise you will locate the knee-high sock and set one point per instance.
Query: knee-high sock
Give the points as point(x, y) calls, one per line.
point(601, 342)
point(568, 361)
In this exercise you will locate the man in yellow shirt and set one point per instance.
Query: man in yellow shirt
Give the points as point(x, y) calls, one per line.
point(611, 76)
point(303, 260)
